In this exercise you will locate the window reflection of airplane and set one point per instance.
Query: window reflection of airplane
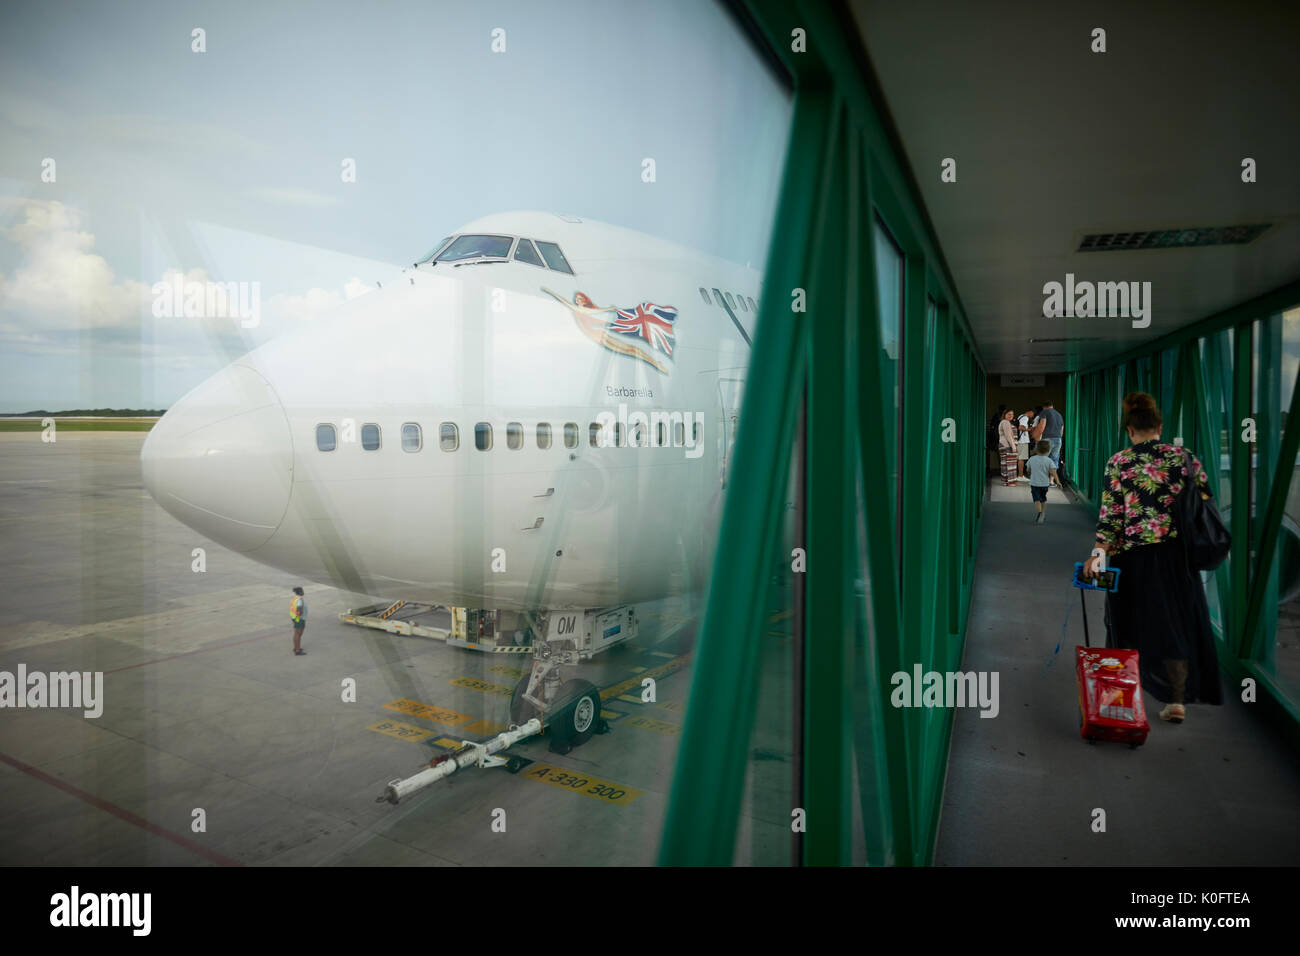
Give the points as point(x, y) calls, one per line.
point(483, 437)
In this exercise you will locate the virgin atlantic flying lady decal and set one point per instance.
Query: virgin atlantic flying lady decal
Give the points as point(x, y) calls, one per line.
point(645, 332)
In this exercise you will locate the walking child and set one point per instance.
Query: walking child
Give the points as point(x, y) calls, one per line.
point(1042, 471)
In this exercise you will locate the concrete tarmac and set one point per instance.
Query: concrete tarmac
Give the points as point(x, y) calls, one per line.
point(217, 746)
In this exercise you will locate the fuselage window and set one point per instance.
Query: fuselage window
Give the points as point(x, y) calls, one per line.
point(730, 301)
point(543, 434)
point(679, 434)
point(514, 436)
point(525, 252)
point(593, 434)
point(477, 247)
point(570, 434)
point(704, 294)
point(324, 437)
point(752, 306)
point(554, 257)
point(482, 436)
point(370, 437)
point(411, 438)
point(448, 436)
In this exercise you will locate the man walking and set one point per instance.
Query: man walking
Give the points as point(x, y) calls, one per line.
point(1052, 430)
point(298, 618)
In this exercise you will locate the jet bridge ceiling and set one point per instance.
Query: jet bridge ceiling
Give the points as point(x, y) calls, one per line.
point(1054, 142)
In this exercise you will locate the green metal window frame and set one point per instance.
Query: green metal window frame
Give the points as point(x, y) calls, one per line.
point(844, 167)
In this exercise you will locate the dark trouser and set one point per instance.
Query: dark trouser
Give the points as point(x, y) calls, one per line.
point(1177, 679)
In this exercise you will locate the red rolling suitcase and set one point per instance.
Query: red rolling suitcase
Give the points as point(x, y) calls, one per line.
point(1110, 693)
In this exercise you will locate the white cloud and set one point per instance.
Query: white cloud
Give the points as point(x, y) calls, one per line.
point(62, 284)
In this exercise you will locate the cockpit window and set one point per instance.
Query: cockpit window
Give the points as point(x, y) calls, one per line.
point(437, 249)
point(525, 252)
point(476, 247)
point(554, 257)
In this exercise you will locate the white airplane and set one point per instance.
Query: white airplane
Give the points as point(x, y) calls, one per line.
point(536, 416)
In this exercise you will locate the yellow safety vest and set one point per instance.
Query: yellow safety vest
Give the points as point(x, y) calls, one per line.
point(294, 607)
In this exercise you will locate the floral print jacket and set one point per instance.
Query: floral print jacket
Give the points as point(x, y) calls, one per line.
point(1138, 494)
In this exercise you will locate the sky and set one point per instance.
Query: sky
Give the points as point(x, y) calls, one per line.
point(227, 164)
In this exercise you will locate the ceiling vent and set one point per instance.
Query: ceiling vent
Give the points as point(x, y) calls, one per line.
point(1075, 338)
point(1171, 238)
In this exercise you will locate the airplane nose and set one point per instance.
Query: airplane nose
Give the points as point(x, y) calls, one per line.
point(221, 459)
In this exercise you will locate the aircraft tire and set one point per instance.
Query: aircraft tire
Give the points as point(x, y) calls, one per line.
point(521, 711)
point(580, 717)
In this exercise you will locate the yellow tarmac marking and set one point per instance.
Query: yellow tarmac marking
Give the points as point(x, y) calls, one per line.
point(439, 715)
point(674, 706)
point(473, 683)
point(661, 654)
point(448, 743)
point(593, 787)
point(636, 670)
point(399, 730)
point(612, 714)
point(630, 699)
point(508, 670)
point(488, 728)
point(677, 663)
point(658, 726)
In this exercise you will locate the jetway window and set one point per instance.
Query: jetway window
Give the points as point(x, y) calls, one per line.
point(618, 434)
point(477, 247)
point(752, 306)
point(741, 299)
point(593, 434)
point(482, 436)
point(370, 437)
point(525, 252)
point(695, 431)
point(731, 303)
point(570, 434)
point(661, 434)
point(554, 257)
point(638, 435)
point(448, 436)
point(679, 434)
point(412, 440)
point(717, 297)
point(704, 294)
point(543, 434)
point(324, 437)
point(514, 436)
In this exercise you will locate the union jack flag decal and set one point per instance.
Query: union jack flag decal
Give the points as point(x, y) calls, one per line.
point(653, 323)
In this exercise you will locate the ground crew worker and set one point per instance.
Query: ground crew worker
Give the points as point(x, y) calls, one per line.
point(298, 617)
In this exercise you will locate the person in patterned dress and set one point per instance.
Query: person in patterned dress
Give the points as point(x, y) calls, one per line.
point(1007, 448)
point(1159, 607)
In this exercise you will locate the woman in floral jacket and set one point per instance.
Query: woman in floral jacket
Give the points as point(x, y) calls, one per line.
point(1160, 606)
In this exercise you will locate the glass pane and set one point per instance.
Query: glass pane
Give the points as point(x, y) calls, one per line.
point(411, 437)
point(370, 437)
point(570, 434)
point(889, 292)
point(514, 436)
point(325, 437)
point(448, 436)
point(482, 436)
point(525, 252)
point(543, 435)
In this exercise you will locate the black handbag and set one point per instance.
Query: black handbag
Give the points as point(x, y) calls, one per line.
point(1205, 537)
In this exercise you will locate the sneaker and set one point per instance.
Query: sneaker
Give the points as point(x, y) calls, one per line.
point(1174, 713)
point(299, 653)
point(1038, 518)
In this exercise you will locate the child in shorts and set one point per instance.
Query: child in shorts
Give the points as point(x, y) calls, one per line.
point(1041, 472)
